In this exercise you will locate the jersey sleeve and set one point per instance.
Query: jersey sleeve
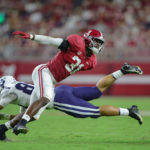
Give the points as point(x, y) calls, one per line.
point(76, 42)
point(7, 98)
point(48, 40)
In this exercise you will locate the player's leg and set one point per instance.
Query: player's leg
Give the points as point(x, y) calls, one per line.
point(3, 129)
point(108, 80)
point(105, 82)
point(109, 110)
point(65, 101)
point(90, 93)
point(132, 112)
point(4, 116)
point(44, 90)
point(87, 93)
point(9, 125)
point(81, 109)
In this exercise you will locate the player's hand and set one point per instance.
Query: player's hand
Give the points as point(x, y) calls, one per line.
point(22, 34)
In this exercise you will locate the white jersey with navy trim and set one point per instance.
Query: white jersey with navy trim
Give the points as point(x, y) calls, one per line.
point(15, 92)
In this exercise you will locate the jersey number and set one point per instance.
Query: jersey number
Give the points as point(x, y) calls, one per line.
point(72, 68)
point(26, 88)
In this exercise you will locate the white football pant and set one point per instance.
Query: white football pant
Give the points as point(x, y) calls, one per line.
point(44, 83)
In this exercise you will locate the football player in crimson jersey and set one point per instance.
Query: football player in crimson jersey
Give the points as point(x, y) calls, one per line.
point(72, 100)
point(77, 53)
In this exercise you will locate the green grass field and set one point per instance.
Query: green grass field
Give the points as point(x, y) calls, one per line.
point(57, 131)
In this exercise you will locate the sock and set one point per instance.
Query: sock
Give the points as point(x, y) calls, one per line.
point(123, 112)
point(117, 74)
point(7, 124)
point(26, 117)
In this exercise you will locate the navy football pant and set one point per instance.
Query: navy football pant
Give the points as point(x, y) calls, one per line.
point(74, 101)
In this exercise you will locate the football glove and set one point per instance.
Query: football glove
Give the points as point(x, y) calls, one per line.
point(24, 35)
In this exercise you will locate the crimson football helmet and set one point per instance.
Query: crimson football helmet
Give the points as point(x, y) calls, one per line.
point(94, 40)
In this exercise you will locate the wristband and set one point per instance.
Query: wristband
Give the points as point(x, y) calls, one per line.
point(32, 36)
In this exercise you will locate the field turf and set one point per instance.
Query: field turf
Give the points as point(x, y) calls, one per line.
point(57, 131)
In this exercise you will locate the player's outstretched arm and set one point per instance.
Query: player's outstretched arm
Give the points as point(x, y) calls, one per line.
point(47, 40)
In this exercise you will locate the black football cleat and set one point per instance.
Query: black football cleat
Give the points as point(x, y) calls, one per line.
point(134, 113)
point(3, 137)
point(20, 128)
point(127, 68)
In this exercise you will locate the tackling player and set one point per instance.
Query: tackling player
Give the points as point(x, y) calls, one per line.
point(71, 100)
point(77, 53)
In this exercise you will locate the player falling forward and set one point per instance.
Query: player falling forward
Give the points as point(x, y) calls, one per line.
point(72, 100)
point(76, 54)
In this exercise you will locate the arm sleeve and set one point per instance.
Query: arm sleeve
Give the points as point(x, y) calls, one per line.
point(48, 40)
point(6, 99)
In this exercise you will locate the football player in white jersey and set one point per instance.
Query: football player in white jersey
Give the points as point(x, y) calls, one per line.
point(14, 92)
point(71, 100)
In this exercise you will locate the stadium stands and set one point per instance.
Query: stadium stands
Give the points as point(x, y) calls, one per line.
point(125, 24)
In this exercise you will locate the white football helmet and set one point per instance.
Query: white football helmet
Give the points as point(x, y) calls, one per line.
point(94, 40)
point(1, 84)
point(6, 81)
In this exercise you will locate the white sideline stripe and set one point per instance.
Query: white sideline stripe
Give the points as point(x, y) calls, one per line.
point(77, 112)
point(92, 79)
point(77, 107)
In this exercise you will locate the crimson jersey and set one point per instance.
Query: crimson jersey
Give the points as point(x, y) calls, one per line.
point(75, 59)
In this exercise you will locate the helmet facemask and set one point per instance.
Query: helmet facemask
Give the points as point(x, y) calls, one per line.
point(96, 45)
point(94, 40)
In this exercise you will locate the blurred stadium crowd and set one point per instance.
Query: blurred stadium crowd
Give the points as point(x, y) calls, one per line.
point(125, 24)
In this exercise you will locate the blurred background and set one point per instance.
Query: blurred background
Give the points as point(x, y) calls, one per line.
point(124, 23)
